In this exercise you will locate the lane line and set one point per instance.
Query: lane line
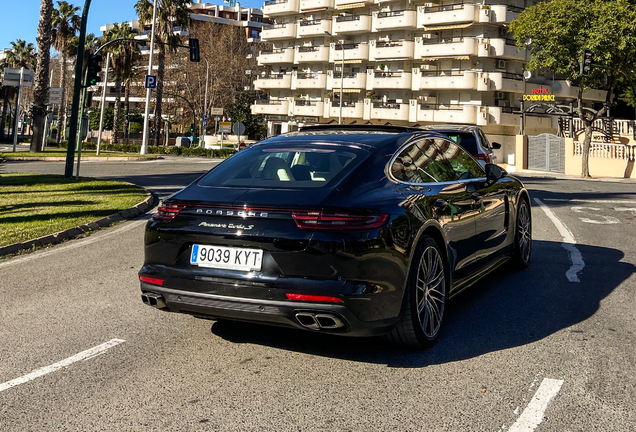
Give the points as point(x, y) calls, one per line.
point(84, 355)
point(591, 201)
point(568, 243)
point(533, 414)
point(74, 243)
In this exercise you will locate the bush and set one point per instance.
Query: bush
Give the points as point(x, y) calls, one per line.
point(136, 127)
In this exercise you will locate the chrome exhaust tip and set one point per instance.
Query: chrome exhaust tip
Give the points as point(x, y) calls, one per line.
point(319, 321)
point(154, 300)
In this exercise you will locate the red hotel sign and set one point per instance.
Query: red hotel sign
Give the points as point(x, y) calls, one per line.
point(539, 95)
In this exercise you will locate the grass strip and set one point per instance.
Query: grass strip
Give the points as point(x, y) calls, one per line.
point(62, 153)
point(34, 205)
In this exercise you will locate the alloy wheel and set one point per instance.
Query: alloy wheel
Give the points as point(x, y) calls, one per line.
point(524, 233)
point(431, 292)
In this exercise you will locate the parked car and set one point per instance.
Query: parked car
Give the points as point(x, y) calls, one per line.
point(472, 139)
point(346, 230)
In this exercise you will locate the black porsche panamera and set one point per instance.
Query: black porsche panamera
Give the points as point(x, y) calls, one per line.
point(344, 230)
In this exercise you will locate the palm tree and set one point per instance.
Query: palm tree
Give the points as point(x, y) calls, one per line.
point(41, 78)
point(66, 23)
point(123, 57)
point(170, 14)
point(21, 54)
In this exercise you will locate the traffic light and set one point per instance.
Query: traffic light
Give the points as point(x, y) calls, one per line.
point(192, 127)
point(93, 70)
point(586, 64)
point(194, 50)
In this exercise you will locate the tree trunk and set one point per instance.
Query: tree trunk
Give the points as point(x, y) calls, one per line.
point(41, 79)
point(161, 63)
point(117, 110)
point(61, 111)
point(585, 169)
point(4, 117)
point(126, 111)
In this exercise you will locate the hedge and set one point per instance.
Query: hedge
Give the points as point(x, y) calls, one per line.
point(162, 150)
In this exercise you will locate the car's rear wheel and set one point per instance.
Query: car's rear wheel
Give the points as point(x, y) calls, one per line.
point(425, 298)
point(523, 236)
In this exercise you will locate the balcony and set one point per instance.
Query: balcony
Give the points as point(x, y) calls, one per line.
point(504, 14)
point(463, 114)
point(350, 24)
point(391, 80)
point(311, 80)
point(565, 89)
point(503, 81)
point(389, 111)
point(393, 50)
point(312, 5)
point(274, 107)
point(353, 52)
point(279, 31)
point(432, 16)
point(396, 20)
point(445, 80)
point(273, 8)
point(316, 27)
point(273, 81)
point(276, 56)
point(349, 110)
point(350, 81)
point(312, 54)
point(308, 108)
point(500, 48)
point(449, 47)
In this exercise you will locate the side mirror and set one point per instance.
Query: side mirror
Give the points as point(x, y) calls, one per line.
point(495, 172)
point(495, 145)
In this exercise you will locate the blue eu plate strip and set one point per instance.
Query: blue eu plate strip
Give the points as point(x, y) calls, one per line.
point(195, 252)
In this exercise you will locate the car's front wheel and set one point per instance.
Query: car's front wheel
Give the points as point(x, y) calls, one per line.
point(425, 298)
point(523, 236)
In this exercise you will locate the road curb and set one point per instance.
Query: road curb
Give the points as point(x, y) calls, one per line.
point(58, 237)
point(87, 158)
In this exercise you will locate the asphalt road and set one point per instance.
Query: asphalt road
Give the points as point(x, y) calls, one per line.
point(504, 339)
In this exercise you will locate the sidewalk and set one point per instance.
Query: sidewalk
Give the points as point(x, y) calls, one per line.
point(559, 176)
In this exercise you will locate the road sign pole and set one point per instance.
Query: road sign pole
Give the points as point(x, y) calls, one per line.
point(46, 119)
point(79, 130)
point(17, 111)
point(101, 115)
point(144, 144)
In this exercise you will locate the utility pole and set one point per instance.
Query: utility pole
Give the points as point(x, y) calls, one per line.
point(101, 115)
point(17, 110)
point(144, 145)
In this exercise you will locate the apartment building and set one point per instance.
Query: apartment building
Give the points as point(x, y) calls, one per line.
point(403, 62)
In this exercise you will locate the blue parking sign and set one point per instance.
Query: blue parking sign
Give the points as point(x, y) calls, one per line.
point(151, 82)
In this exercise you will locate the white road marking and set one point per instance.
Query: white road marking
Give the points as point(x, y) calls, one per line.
point(84, 355)
point(620, 209)
point(607, 220)
point(568, 244)
point(74, 244)
point(533, 414)
point(592, 201)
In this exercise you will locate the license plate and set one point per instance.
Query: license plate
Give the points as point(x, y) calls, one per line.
point(226, 257)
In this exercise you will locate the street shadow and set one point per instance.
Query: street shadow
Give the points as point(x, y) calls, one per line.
point(507, 309)
point(4, 210)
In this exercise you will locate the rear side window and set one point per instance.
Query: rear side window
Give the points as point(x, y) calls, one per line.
point(285, 167)
point(464, 139)
point(423, 162)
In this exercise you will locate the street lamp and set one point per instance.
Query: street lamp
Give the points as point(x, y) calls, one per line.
point(341, 76)
point(144, 145)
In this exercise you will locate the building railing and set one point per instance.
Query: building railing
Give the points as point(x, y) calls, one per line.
point(396, 13)
point(433, 73)
point(338, 74)
point(512, 42)
point(444, 8)
point(336, 103)
point(345, 18)
point(442, 40)
point(619, 127)
point(607, 151)
point(389, 44)
point(308, 75)
point(512, 76)
point(305, 103)
point(305, 49)
point(273, 2)
point(516, 9)
point(273, 51)
point(346, 46)
point(268, 102)
point(442, 107)
point(388, 74)
point(280, 26)
point(272, 75)
point(386, 105)
point(310, 22)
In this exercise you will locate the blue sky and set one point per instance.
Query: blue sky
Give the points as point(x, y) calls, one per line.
point(20, 18)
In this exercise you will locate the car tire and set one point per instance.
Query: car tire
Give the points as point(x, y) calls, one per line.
point(424, 299)
point(522, 251)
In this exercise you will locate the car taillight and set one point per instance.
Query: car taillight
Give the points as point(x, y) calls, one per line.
point(315, 298)
point(483, 156)
point(318, 220)
point(150, 280)
point(167, 211)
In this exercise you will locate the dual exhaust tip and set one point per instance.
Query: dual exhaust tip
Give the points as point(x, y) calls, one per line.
point(154, 300)
point(320, 321)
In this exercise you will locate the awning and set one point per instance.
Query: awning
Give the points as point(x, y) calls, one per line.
point(461, 58)
point(448, 27)
point(349, 61)
point(430, 58)
point(337, 90)
point(350, 6)
point(441, 58)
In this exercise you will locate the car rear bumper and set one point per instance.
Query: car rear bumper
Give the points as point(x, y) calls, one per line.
point(323, 317)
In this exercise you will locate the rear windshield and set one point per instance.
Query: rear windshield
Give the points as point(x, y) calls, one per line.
point(465, 139)
point(285, 167)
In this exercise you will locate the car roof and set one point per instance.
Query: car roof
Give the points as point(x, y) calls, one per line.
point(451, 128)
